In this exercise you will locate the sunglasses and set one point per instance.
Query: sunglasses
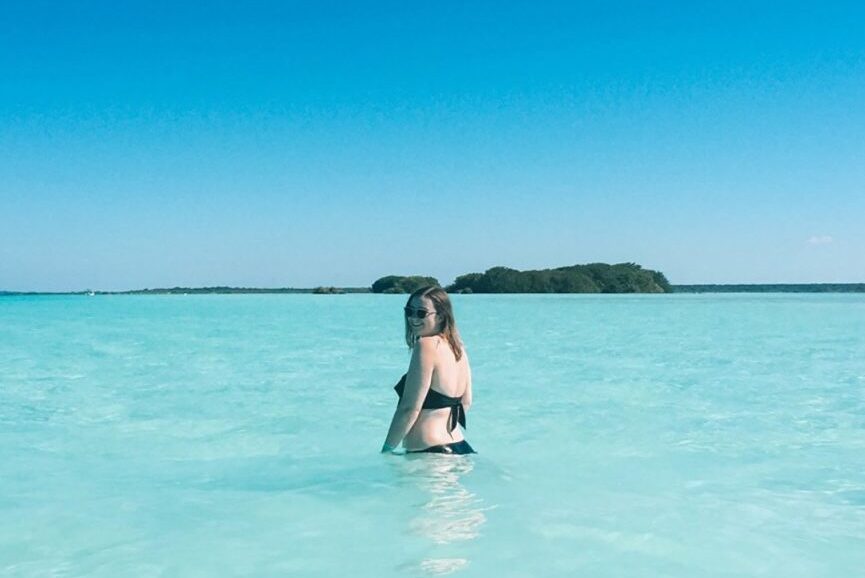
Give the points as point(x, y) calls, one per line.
point(417, 313)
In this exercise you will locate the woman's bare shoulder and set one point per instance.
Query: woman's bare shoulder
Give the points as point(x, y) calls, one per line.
point(427, 344)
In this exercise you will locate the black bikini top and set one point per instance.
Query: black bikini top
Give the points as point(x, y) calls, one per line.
point(438, 400)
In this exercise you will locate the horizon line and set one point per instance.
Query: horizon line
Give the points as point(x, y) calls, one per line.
point(368, 289)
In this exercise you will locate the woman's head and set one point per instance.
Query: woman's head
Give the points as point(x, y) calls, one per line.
point(428, 311)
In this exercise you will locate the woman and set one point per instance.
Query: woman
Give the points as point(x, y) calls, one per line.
point(436, 391)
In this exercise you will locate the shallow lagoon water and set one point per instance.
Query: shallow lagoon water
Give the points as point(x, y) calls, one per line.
point(641, 435)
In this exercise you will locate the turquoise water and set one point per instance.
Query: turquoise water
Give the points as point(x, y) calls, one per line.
point(675, 435)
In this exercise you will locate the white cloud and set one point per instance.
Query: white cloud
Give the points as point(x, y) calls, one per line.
point(820, 240)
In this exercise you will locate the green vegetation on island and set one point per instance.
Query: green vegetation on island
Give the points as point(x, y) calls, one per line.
point(773, 288)
point(398, 284)
point(328, 291)
point(208, 290)
point(221, 290)
point(230, 290)
point(591, 278)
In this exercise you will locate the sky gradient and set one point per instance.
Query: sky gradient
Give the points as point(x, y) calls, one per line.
point(296, 144)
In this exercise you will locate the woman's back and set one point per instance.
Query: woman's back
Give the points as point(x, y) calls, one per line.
point(452, 378)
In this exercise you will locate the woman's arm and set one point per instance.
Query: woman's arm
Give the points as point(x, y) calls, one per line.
point(417, 384)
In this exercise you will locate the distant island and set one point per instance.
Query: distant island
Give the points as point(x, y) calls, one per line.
point(773, 288)
point(589, 278)
point(399, 284)
point(221, 290)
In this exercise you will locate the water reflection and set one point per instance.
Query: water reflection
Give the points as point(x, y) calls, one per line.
point(450, 516)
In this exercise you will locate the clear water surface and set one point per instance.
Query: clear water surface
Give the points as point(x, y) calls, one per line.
point(643, 435)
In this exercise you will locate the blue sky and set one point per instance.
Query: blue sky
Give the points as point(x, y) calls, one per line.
point(299, 144)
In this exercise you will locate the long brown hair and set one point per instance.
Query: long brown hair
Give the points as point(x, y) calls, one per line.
point(443, 307)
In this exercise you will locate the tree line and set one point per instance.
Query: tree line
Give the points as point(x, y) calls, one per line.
point(590, 278)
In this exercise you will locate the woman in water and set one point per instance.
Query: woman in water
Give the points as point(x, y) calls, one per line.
point(436, 391)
